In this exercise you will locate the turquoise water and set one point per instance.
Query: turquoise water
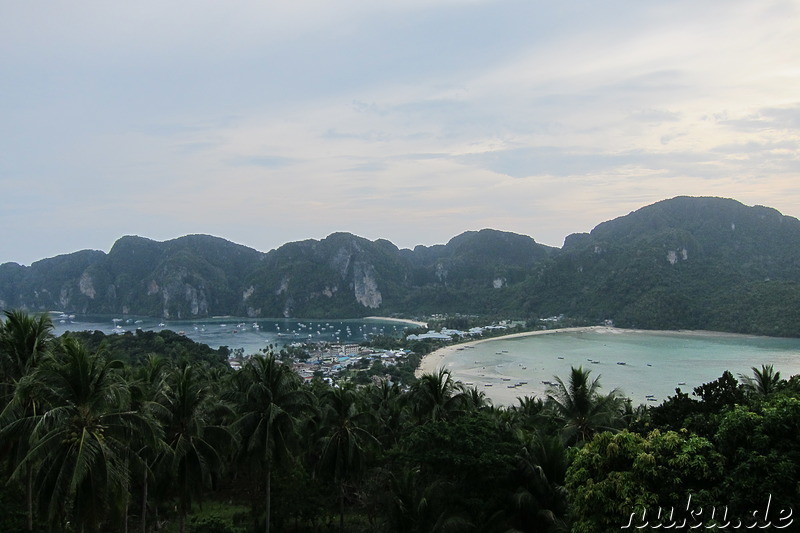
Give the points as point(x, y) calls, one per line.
point(250, 335)
point(655, 363)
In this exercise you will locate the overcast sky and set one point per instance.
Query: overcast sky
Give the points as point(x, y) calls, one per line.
point(413, 120)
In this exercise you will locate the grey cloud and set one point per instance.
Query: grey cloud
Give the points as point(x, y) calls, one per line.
point(368, 166)
point(756, 147)
point(656, 116)
point(372, 135)
point(266, 161)
point(787, 118)
point(555, 161)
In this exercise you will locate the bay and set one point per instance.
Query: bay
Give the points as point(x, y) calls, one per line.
point(247, 334)
point(655, 363)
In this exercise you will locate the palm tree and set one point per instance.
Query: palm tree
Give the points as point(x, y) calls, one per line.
point(24, 341)
point(346, 443)
point(474, 399)
point(763, 382)
point(269, 402)
point(417, 506)
point(146, 389)
point(581, 408)
point(79, 446)
point(435, 396)
point(540, 501)
point(196, 444)
point(384, 400)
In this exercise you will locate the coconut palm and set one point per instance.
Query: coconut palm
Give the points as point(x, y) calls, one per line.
point(417, 506)
point(384, 400)
point(435, 396)
point(346, 443)
point(580, 408)
point(763, 382)
point(27, 337)
point(269, 402)
point(474, 399)
point(146, 388)
point(80, 445)
point(24, 341)
point(540, 501)
point(196, 444)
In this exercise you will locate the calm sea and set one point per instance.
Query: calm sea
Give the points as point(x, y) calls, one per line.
point(655, 363)
point(247, 334)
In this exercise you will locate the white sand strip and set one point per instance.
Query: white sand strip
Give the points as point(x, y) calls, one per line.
point(404, 320)
point(433, 361)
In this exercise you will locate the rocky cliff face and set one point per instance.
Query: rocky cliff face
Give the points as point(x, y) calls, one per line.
point(365, 286)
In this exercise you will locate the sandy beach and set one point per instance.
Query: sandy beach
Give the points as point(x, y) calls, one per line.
point(404, 320)
point(641, 382)
point(433, 361)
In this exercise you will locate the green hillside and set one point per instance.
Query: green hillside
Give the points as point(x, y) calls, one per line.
point(698, 263)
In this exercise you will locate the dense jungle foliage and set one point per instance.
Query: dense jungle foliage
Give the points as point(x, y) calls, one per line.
point(172, 443)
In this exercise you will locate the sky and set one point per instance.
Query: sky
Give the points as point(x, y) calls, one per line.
point(413, 121)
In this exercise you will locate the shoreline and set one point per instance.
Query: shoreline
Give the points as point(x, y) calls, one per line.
point(431, 362)
point(403, 320)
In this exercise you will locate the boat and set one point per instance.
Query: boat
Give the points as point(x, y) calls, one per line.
point(621, 362)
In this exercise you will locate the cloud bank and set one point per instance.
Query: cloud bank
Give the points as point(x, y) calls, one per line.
point(409, 121)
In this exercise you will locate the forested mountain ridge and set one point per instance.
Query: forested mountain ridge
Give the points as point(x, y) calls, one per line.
point(686, 262)
point(199, 275)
